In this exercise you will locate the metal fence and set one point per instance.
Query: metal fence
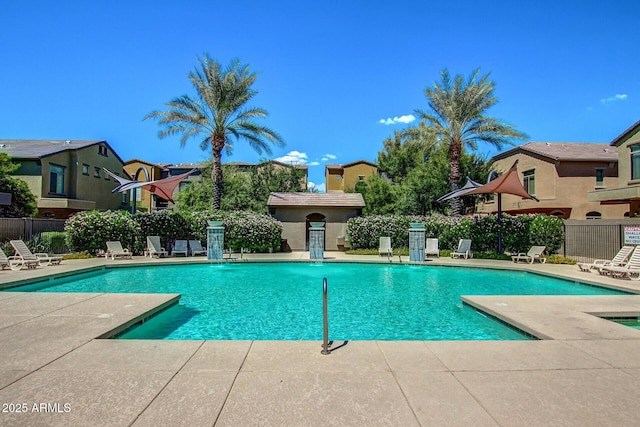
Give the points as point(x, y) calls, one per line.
point(586, 240)
point(26, 228)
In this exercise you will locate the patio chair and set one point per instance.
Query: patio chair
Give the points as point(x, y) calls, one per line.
point(44, 258)
point(631, 269)
point(115, 250)
point(432, 247)
point(154, 247)
point(463, 250)
point(385, 246)
point(618, 260)
point(180, 247)
point(196, 248)
point(4, 261)
point(534, 254)
point(23, 257)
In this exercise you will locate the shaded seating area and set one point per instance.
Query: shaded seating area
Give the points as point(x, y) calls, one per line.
point(384, 248)
point(618, 260)
point(534, 254)
point(23, 257)
point(115, 250)
point(154, 248)
point(631, 269)
point(432, 247)
point(180, 248)
point(463, 250)
point(196, 248)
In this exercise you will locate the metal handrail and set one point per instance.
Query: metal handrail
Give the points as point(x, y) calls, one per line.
point(325, 306)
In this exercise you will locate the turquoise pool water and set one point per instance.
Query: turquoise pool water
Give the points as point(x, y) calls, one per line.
point(283, 301)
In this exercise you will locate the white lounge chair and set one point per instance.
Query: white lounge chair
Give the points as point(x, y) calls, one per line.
point(44, 258)
point(4, 261)
point(385, 246)
point(618, 260)
point(464, 249)
point(631, 269)
point(115, 250)
point(534, 254)
point(154, 247)
point(432, 247)
point(180, 247)
point(23, 257)
point(196, 248)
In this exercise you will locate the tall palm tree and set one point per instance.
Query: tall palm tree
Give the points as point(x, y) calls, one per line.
point(218, 112)
point(458, 117)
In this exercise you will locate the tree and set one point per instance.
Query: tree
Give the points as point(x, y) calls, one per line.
point(23, 202)
point(219, 112)
point(458, 118)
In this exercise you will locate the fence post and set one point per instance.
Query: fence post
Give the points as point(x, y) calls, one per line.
point(564, 237)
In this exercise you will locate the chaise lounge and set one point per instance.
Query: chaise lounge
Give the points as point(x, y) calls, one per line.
point(196, 248)
point(463, 250)
point(115, 250)
point(631, 269)
point(534, 254)
point(154, 248)
point(617, 261)
point(180, 248)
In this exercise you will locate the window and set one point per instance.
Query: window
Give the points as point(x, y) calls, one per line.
point(529, 181)
point(360, 177)
point(102, 150)
point(594, 215)
point(96, 172)
point(599, 177)
point(124, 199)
point(635, 162)
point(85, 169)
point(56, 179)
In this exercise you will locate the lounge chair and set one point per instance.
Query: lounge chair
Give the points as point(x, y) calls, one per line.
point(154, 247)
point(617, 261)
point(196, 248)
point(631, 269)
point(432, 247)
point(464, 249)
point(180, 247)
point(385, 246)
point(534, 254)
point(23, 257)
point(4, 261)
point(44, 258)
point(115, 250)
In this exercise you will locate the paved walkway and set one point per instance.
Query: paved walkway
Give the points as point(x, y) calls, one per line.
point(55, 371)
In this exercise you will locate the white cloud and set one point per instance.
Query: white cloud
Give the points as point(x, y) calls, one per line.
point(331, 156)
point(402, 119)
point(314, 163)
point(615, 98)
point(321, 188)
point(293, 157)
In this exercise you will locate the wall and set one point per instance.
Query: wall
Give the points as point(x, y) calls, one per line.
point(146, 198)
point(624, 161)
point(351, 174)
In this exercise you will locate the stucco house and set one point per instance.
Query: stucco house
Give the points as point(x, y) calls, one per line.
point(297, 210)
point(625, 195)
point(345, 177)
point(66, 176)
point(142, 170)
point(560, 175)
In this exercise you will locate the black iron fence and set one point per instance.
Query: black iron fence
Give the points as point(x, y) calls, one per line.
point(586, 240)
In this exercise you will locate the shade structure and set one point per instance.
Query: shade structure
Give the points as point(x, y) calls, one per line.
point(162, 187)
point(470, 185)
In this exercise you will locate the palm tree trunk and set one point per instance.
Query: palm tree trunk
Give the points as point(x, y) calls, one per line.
point(216, 177)
point(455, 151)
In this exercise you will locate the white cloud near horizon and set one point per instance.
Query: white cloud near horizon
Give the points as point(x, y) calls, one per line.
point(321, 188)
point(331, 156)
point(293, 157)
point(314, 163)
point(615, 98)
point(402, 119)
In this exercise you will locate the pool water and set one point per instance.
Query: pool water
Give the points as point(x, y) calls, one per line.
point(283, 301)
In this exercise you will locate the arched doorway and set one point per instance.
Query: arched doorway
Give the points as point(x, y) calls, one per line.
point(314, 217)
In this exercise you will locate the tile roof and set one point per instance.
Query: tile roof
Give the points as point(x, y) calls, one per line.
point(334, 199)
point(566, 151)
point(37, 148)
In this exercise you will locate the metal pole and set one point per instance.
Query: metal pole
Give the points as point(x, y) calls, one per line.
point(499, 223)
point(325, 305)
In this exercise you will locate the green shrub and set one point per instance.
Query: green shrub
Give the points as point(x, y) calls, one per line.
point(78, 255)
point(559, 259)
point(50, 242)
point(90, 230)
point(168, 225)
point(547, 231)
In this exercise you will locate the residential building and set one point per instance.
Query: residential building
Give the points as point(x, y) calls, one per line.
point(66, 176)
point(296, 211)
point(625, 195)
point(345, 177)
point(142, 170)
point(559, 175)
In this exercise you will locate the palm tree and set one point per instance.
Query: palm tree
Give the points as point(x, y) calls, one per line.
point(219, 112)
point(457, 116)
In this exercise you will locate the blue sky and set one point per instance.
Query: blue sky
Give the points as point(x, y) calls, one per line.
point(333, 75)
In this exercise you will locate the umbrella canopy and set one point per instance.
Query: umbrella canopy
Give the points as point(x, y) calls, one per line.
point(162, 187)
point(470, 185)
point(507, 183)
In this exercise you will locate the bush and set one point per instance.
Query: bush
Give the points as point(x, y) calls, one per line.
point(49, 242)
point(168, 225)
point(91, 230)
point(547, 231)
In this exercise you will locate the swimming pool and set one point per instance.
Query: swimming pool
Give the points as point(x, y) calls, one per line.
point(283, 301)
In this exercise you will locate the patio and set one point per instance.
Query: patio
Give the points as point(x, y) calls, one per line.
point(585, 372)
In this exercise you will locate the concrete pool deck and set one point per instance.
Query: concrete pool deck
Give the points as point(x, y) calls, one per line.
point(56, 371)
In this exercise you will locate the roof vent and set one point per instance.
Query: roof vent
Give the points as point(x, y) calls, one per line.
point(3, 145)
point(67, 142)
point(548, 144)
